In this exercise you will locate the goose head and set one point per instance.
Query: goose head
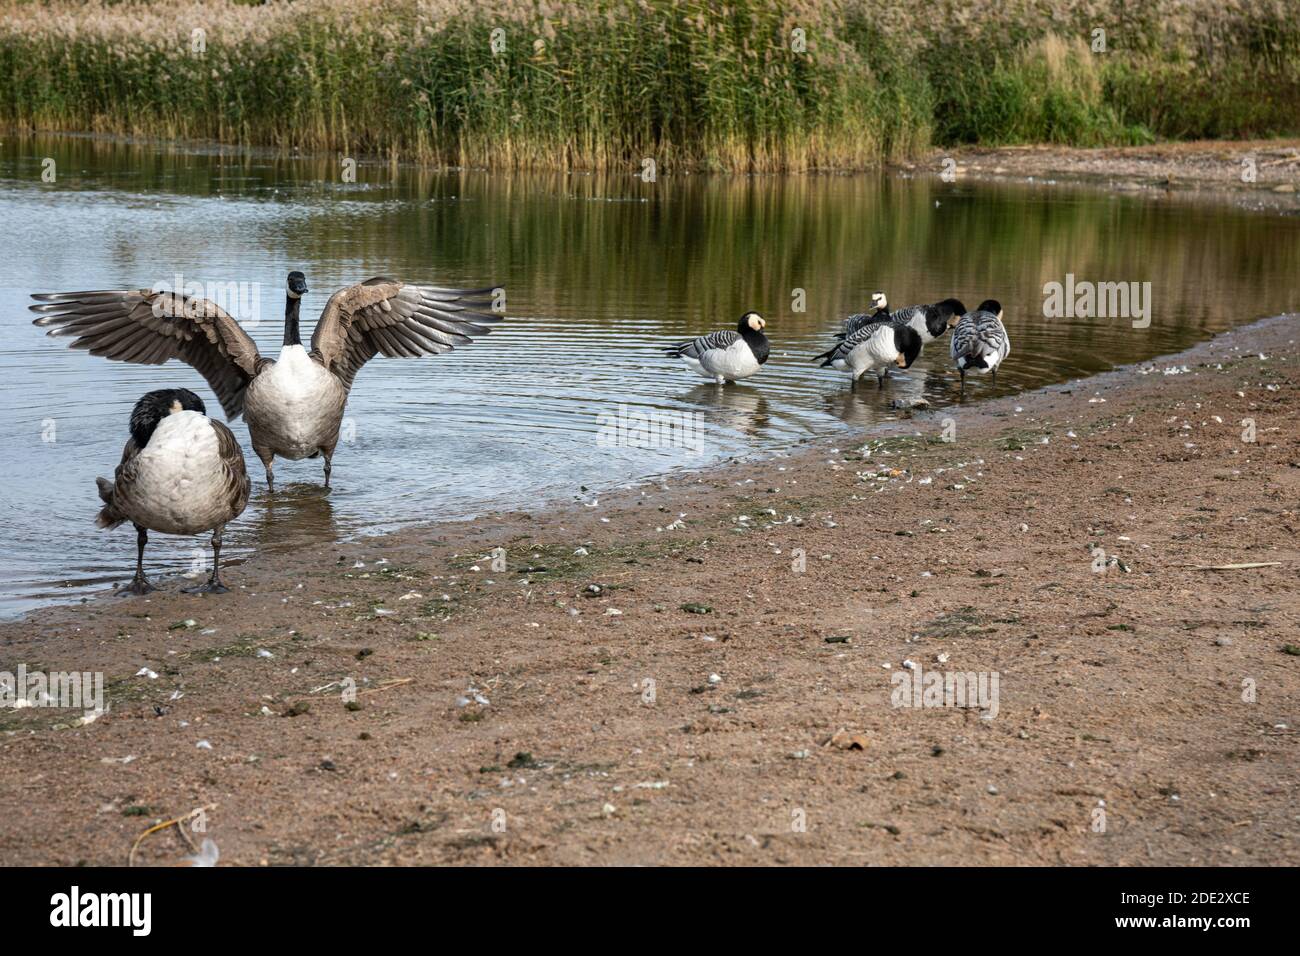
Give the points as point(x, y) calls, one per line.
point(908, 342)
point(879, 300)
point(950, 311)
point(991, 305)
point(296, 288)
point(751, 322)
point(154, 406)
point(297, 285)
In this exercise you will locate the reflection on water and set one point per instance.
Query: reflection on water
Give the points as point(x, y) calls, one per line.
point(602, 273)
point(295, 515)
point(740, 408)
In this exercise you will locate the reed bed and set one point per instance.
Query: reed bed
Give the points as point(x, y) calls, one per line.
point(736, 85)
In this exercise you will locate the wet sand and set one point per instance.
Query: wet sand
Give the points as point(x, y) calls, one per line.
point(1259, 174)
point(666, 673)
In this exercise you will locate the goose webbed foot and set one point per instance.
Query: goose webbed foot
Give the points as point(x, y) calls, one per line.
point(214, 585)
point(139, 585)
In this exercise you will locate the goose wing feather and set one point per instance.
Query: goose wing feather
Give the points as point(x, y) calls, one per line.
point(236, 485)
point(110, 516)
point(863, 333)
point(148, 328)
point(978, 334)
point(694, 348)
point(385, 316)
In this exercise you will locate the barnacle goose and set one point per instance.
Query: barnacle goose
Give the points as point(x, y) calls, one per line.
point(874, 348)
point(181, 473)
point(879, 313)
point(980, 341)
point(930, 321)
point(726, 355)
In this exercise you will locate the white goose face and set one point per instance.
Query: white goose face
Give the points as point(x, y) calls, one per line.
point(878, 300)
point(755, 321)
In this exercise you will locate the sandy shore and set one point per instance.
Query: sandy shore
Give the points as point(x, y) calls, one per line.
point(1263, 174)
point(663, 675)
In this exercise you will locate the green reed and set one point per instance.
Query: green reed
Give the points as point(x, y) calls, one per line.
point(738, 85)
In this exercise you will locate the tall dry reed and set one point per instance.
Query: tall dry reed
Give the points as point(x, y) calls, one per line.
point(736, 85)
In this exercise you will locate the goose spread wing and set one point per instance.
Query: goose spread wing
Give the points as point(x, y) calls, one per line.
point(148, 328)
point(397, 320)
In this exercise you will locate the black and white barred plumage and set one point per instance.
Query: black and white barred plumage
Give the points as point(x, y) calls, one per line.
point(980, 341)
point(929, 321)
point(727, 355)
point(874, 348)
point(859, 320)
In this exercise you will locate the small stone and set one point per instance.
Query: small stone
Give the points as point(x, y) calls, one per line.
point(844, 740)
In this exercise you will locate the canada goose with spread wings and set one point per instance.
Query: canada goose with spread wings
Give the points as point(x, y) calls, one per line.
point(293, 404)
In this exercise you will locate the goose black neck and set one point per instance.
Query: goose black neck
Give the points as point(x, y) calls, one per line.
point(291, 336)
point(756, 341)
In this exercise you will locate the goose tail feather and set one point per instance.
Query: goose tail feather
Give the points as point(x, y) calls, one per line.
point(827, 356)
point(108, 516)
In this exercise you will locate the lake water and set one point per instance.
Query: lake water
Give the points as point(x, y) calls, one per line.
point(601, 273)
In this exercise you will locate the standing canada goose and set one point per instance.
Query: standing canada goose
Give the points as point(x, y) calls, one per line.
point(980, 341)
point(930, 321)
point(181, 473)
point(293, 404)
point(880, 313)
point(874, 348)
point(727, 356)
